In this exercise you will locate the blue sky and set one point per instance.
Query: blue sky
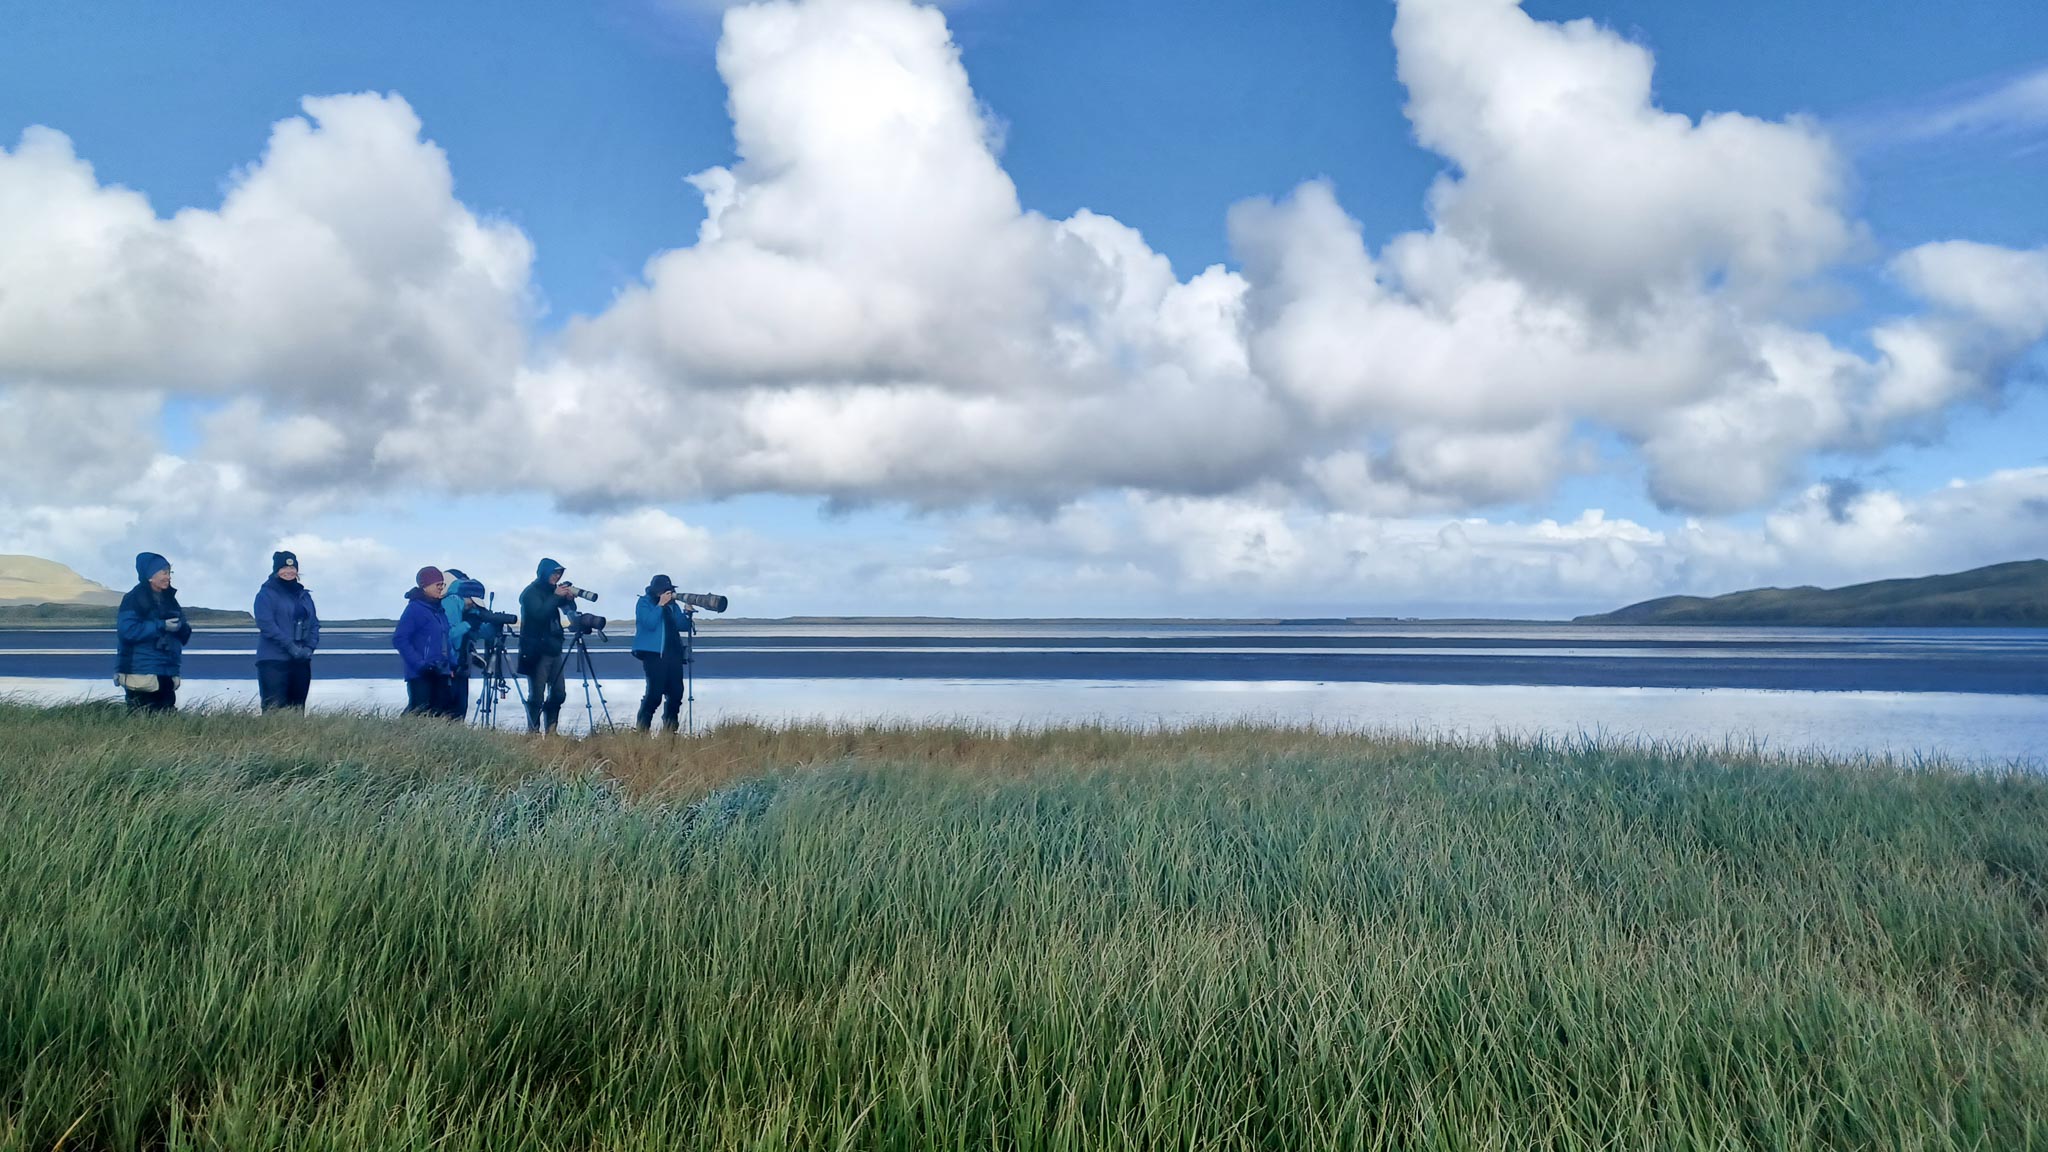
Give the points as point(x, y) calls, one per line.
point(578, 125)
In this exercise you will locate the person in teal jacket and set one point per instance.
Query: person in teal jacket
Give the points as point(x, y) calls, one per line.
point(463, 595)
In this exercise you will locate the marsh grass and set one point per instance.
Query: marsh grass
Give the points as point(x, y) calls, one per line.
point(223, 931)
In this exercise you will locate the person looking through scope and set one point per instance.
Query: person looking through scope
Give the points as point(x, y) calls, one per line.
point(660, 624)
point(541, 643)
point(462, 605)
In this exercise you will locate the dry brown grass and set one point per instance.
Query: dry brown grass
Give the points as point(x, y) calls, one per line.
point(690, 765)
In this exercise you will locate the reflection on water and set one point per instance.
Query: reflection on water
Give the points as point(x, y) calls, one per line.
point(1968, 727)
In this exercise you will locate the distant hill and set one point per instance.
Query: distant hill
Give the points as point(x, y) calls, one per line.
point(2013, 595)
point(102, 616)
point(39, 593)
point(34, 580)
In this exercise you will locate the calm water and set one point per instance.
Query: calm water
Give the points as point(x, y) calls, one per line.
point(1988, 729)
point(1968, 694)
point(1988, 661)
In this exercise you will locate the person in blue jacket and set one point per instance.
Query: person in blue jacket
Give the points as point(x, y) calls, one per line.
point(422, 642)
point(151, 635)
point(464, 595)
point(659, 626)
point(287, 632)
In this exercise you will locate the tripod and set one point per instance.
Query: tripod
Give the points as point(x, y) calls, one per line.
point(690, 680)
point(579, 652)
point(497, 684)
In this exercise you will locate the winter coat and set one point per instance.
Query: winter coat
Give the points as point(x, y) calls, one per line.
point(145, 647)
point(653, 622)
point(540, 619)
point(422, 636)
point(287, 625)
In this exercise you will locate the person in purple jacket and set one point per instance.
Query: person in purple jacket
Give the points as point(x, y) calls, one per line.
point(422, 642)
point(287, 632)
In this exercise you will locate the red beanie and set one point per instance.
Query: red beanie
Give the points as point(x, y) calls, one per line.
point(428, 575)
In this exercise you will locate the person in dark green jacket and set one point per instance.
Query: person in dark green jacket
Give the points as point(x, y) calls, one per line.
point(541, 643)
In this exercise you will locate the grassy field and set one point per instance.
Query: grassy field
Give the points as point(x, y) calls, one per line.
point(346, 932)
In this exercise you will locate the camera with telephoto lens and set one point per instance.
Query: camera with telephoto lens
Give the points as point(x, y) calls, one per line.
point(489, 618)
point(583, 623)
point(709, 601)
point(585, 594)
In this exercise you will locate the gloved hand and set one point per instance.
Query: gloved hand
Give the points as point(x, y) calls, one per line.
point(299, 651)
point(171, 623)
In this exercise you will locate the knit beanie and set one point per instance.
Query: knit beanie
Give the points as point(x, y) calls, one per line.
point(280, 560)
point(428, 575)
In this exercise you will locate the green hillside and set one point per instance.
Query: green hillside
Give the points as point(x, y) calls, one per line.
point(2013, 595)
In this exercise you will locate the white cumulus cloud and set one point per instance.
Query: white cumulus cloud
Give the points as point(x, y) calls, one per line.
point(869, 314)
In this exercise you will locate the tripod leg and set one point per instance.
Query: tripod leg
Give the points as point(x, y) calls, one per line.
point(590, 669)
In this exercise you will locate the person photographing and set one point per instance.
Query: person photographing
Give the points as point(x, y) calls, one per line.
point(287, 633)
point(151, 634)
point(660, 625)
point(541, 644)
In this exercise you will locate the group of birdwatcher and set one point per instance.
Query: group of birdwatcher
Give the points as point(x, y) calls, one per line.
point(441, 637)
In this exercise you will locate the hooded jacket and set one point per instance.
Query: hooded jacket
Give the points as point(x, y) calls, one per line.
point(540, 619)
point(287, 624)
point(145, 646)
point(422, 636)
point(455, 606)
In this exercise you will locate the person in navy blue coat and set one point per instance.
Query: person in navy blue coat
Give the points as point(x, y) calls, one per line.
point(287, 633)
point(422, 642)
point(151, 633)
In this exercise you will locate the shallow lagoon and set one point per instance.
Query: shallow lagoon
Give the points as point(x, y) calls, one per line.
point(1991, 730)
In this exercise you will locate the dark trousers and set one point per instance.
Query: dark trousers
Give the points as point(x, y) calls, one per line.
point(284, 683)
point(164, 699)
point(664, 687)
point(458, 696)
point(430, 694)
point(547, 680)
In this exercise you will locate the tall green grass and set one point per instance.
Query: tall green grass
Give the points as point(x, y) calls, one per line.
point(348, 932)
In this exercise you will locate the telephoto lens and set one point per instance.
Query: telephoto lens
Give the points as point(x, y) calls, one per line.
point(586, 594)
point(709, 601)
